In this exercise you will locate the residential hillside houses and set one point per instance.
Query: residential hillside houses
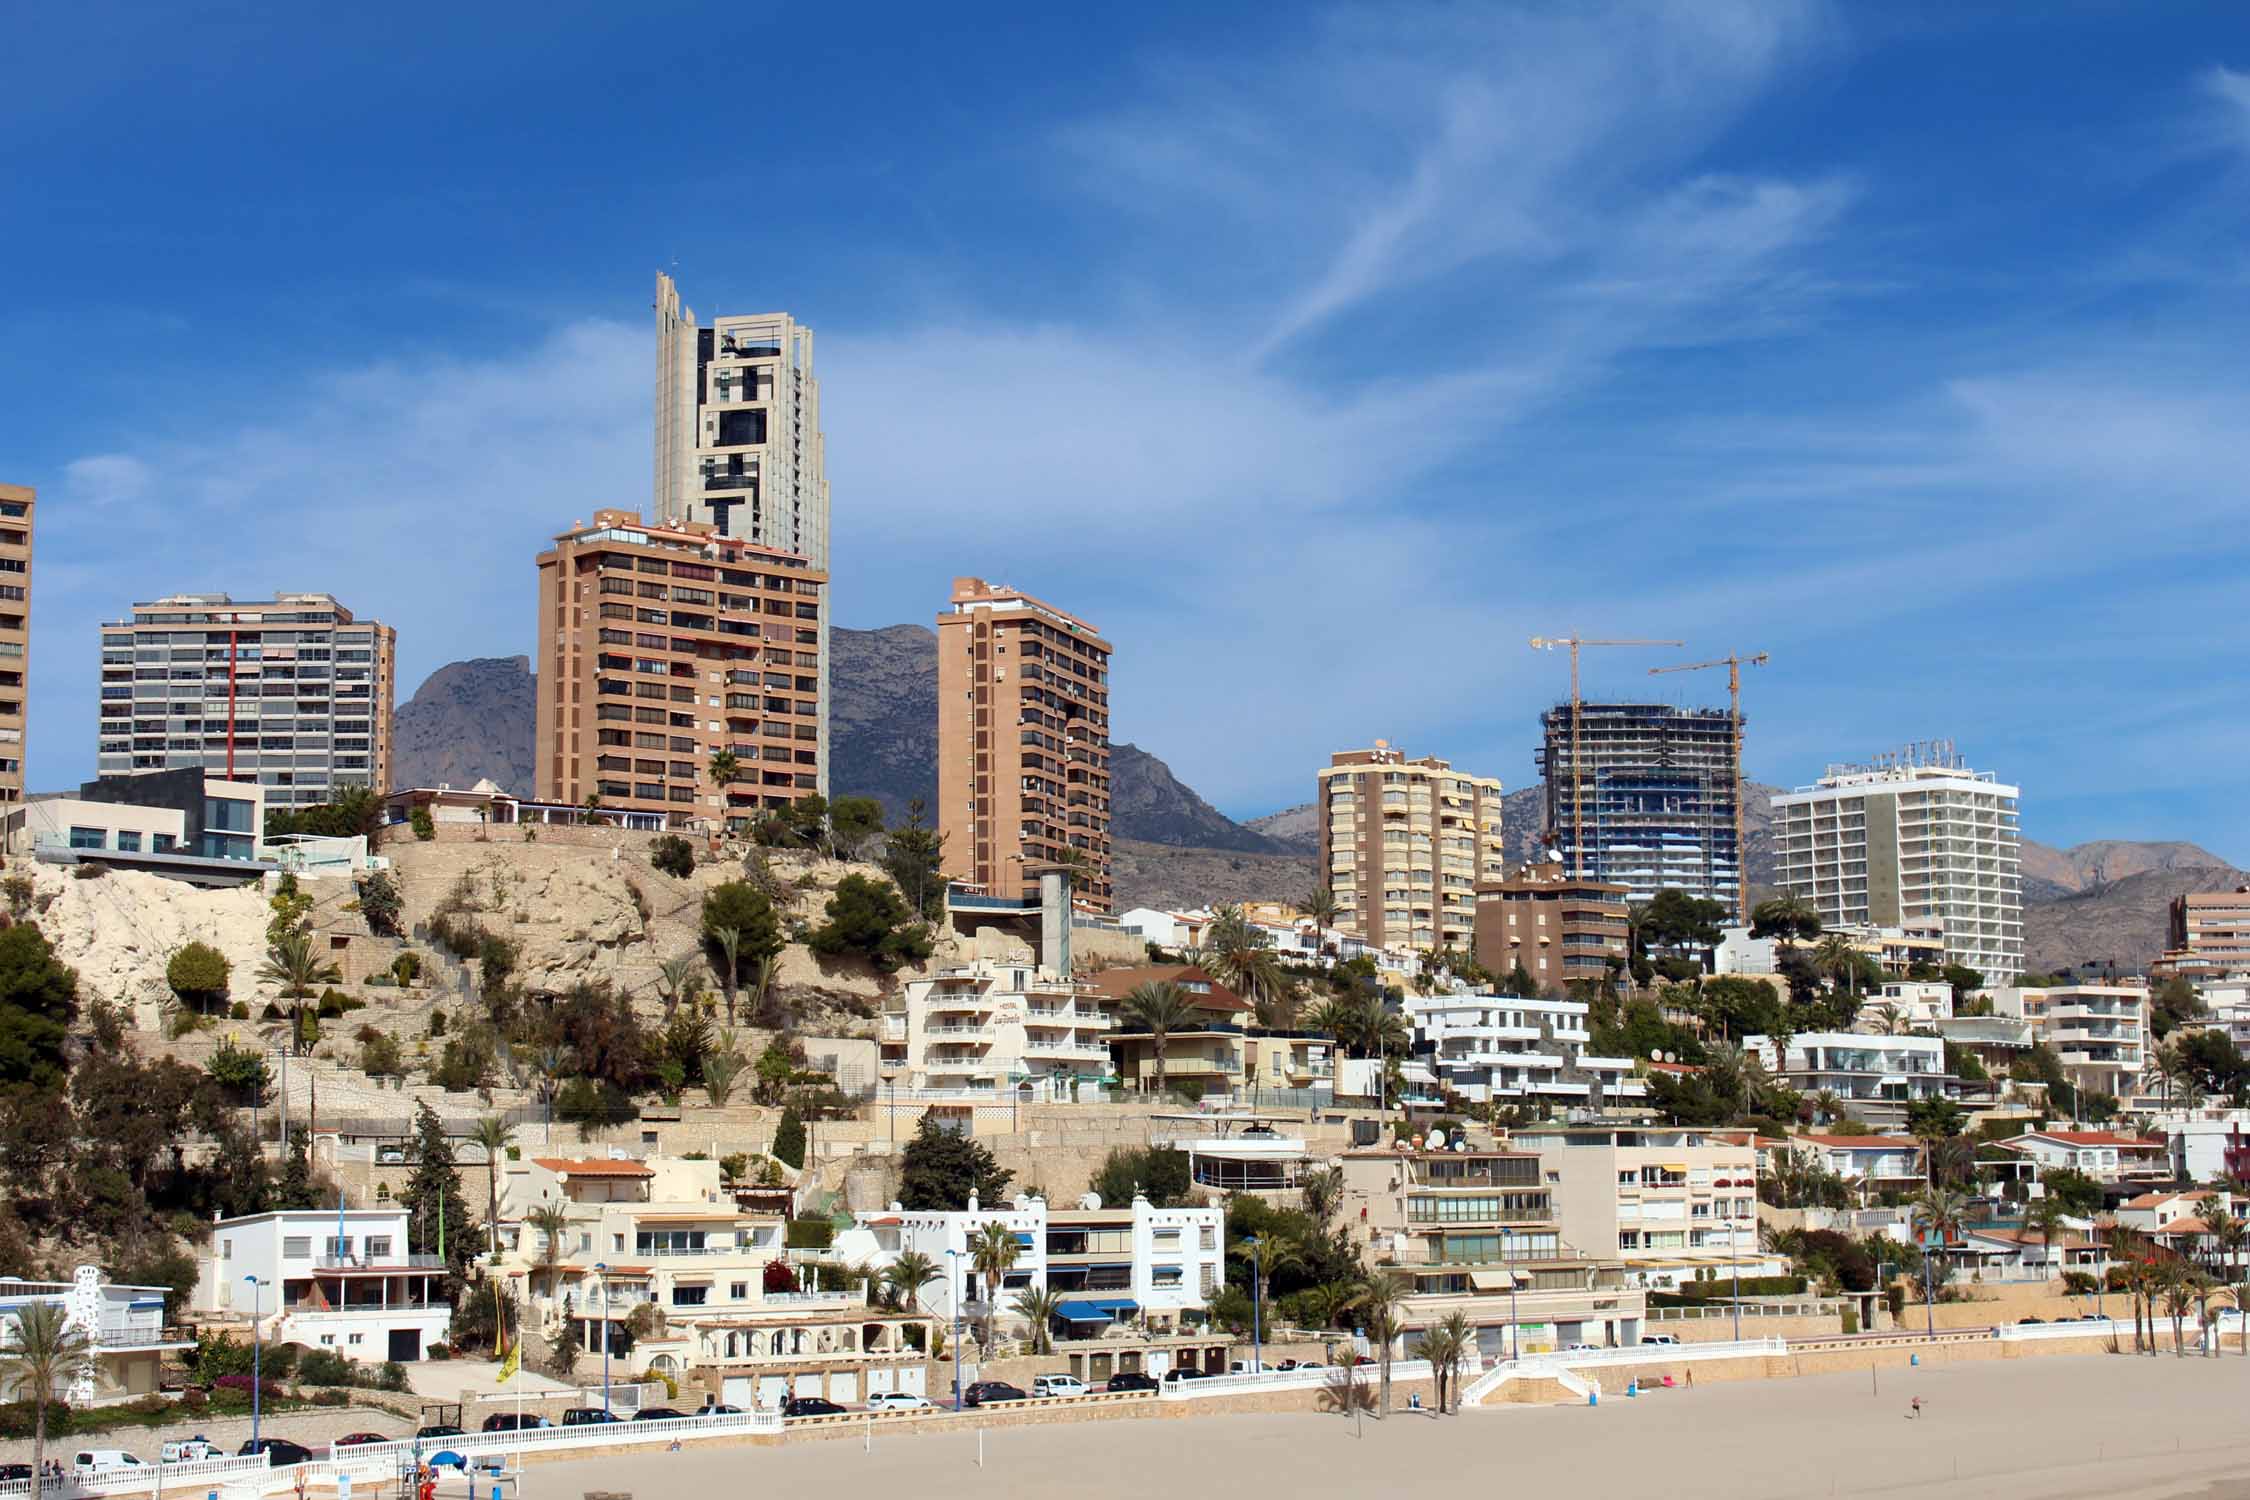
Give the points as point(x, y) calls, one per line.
point(1492, 1048)
point(2098, 1031)
point(1874, 1075)
point(2107, 1156)
point(1671, 1203)
point(336, 1279)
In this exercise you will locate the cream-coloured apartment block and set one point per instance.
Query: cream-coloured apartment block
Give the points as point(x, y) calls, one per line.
point(738, 439)
point(988, 1025)
point(1910, 842)
point(660, 647)
point(1023, 743)
point(1404, 845)
point(2100, 1031)
point(1478, 1232)
point(665, 1235)
point(17, 504)
point(1671, 1202)
point(293, 693)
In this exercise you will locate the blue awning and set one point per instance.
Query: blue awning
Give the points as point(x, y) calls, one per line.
point(1078, 1311)
point(1116, 1304)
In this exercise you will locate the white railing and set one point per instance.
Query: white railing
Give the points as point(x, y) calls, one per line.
point(2089, 1328)
point(1290, 1380)
point(141, 1477)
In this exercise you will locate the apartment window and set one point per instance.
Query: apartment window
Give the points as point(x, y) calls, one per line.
point(739, 1291)
point(378, 1246)
point(1166, 1276)
point(690, 1296)
point(296, 1246)
point(87, 838)
point(128, 842)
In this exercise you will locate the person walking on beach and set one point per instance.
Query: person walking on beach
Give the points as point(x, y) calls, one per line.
point(1914, 1409)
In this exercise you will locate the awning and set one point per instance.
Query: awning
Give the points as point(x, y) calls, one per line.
point(1094, 1310)
point(1490, 1281)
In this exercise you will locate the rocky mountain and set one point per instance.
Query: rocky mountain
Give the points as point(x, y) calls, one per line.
point(1174, 878)
point(2121, 922)
point(468, 719)
point(1298, 827)
point(1149, 804)
point(882, 728)
point(2052, 872)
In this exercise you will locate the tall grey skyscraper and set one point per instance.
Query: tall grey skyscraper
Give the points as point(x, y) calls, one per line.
point(1651, 800)
point(738, 441)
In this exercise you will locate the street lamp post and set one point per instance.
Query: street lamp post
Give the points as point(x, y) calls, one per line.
point(1515, 1329)
point(953, 1288)
point(601, 1269)
point(1257, 1334)
point(257, 1355)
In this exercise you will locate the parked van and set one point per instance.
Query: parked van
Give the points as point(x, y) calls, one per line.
point(190, 1450)
point(94, 1460)
point(1660, 1338)
point(1057, 1385)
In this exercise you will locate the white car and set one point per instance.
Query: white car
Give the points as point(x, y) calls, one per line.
point(1660, 1338)
point(1057, 1385)
point(896, 1401)
point(1580, 1348)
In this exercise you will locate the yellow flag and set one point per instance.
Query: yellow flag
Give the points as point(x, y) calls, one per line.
point(513, 1362)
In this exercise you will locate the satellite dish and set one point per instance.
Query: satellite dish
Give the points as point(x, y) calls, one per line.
point(1437, 1139)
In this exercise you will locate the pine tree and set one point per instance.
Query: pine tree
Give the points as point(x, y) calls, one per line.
point(789, 1138)
point(295, 1190)
point(432, 1196)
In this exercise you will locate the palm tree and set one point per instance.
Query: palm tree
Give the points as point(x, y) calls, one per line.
point(2047, 1216)
point(1381, 1302)
point(1327, 1303)
point(492, 1133)
point(992, 1252)
point(1038, 1306)
point(1319, 903)
point(906, 1276)
point(1163, 1008)
point(1941, 1211)
point(292, 963)
point(552, 1221)
point(1828, 1106)
point(729, 940)
point(1444, 1344)
point(1241, 957)
point(1835, 956)
point(2230, 1235)
point(675, 977)
point(724, 767)
point(1886, 1018)
point(2181, 1297)
point(47, 1350)
point(720, 1070)
point(2129, 1246)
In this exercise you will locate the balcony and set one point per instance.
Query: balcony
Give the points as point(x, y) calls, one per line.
point(327, 1261)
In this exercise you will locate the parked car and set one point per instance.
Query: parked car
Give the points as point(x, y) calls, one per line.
point(588, 1416)
point(514, 1421)
point(362, 1439)
point(280, 1452)
point(810, 1406)
point(1129, 1380)
point(391, 1156)
point(10, 1472)
point(1058, 1385)
point(1174, 1377)
point(1660, 1338)
point(439, 1430)
point(660, 1414)
point(2021, 1321)
point(189, 1450)
point(897, 1401)
point(1580, 1348)
point(992, 1390)
point(1247, 1367)
point(720, 1409)
point(93, 1460)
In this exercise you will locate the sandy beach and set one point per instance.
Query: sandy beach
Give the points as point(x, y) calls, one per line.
point(2050, 1428)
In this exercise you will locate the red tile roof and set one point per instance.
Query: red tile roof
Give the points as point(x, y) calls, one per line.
point(568, 1168)
point(1116, 984)
point(1866, 1142)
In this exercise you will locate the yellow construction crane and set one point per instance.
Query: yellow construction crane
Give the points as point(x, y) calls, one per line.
point(1734, 662)
point(1577, 831)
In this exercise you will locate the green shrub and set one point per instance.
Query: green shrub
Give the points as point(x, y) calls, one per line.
point(199, 973)
point(673, 855)
point(17, 1419)
point(327, 1367)
point(811, 1234)
point(239, 1011)
point(424, 828)
point(380, 903)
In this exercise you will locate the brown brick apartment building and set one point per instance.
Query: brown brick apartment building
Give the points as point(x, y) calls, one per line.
point(1404, 844)
point(16, 504)
point(1023, 742)
point(660, 646)
point(1558, 928)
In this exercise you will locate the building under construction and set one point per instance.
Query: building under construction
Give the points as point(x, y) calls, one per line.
point(1654, 789)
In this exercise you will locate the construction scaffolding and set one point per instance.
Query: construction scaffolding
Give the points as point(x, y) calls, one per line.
point(1650, 799)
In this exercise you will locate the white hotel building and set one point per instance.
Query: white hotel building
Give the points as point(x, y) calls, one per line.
point(1904, 843)
point(344, 1282)
point(1517, 1049)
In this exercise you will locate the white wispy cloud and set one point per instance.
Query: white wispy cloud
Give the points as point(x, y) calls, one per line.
point(2229, 90)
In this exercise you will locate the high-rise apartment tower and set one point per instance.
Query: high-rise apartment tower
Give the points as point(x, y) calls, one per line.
point(16, 505)
point(1404, 845)
point(292, 692)
point(1914, 839)
point(661, 646)
point(1023, 742)
point(738, 441)
point(1655, 795)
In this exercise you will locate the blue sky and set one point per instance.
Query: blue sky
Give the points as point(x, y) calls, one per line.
point(1320, 356)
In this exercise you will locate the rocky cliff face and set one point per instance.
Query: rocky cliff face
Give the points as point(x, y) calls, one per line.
point(882, 728)
point(469, 719)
